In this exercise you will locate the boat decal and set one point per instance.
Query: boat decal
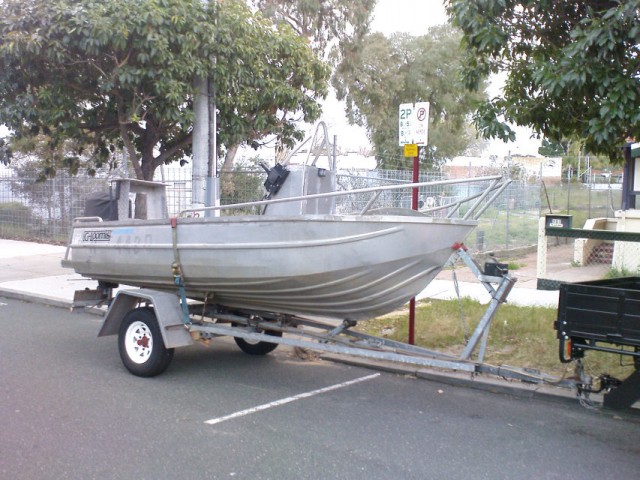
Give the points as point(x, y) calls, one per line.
point(93, 236)
point(123, 231)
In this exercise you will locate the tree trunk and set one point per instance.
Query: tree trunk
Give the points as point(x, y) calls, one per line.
point(147, 169)
point(227, 185)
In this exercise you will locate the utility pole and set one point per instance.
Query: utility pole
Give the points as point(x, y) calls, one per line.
point(200, 143)
point(204, 184)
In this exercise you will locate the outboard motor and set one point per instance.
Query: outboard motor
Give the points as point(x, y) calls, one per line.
point(101, 204)
point(301, 180)
point(275, 178)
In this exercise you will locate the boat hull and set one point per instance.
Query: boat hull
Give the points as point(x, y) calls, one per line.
point(349, 267)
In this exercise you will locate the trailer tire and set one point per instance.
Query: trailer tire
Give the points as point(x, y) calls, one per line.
point(140, 344)
point(257, 348)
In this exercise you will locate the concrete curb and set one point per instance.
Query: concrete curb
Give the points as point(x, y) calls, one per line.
point(34, 298)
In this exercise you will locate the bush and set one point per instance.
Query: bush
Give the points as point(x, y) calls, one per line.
point(15, 219)
point(15, 214)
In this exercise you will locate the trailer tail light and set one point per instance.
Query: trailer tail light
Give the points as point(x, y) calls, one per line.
point(568, 347)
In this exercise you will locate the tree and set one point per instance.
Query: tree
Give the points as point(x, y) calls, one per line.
point(404, 69)
point(573, 67)
point(266, 80)
point(39, 157)
point(5, 152)
point(333, 26)
point(336, 29)
point(33, 163)
point(553, 149)
point(113, 74)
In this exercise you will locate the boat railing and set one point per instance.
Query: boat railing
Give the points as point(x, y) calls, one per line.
point(481, 200)
point(87, 219)
point(318, 147)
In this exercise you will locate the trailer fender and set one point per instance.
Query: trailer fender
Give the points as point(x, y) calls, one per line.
point(166, 306)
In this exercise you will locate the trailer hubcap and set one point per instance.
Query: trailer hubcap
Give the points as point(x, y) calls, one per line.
point(138, 342)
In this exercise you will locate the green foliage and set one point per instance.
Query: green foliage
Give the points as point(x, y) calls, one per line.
point(404, 69)
point(244, 184)
point(114, 74)
point(552, 149)
point(14, 214)
point(334, 27)
point(615, 273)
point(38, 156)
point(16, 220)
point(5, 152)
point(572, 68)
point(266, 79)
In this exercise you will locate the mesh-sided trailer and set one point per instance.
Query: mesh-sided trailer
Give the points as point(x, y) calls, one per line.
point(603, 315)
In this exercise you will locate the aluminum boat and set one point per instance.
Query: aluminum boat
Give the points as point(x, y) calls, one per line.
point(299, 257)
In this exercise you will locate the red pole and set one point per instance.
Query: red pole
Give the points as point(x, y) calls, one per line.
point(414, 205)
point(412, 321)
point(416, 179)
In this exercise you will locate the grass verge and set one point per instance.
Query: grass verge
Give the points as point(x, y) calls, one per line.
point(519, 336)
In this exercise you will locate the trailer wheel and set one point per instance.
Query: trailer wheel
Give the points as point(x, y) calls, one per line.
point(257, 347)
point(141, 345)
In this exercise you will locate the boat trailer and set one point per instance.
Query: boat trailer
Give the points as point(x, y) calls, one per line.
point(151, 323)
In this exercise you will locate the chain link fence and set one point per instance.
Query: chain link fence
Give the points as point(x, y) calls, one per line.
point(43, 211)
point(589, 248)
point(606, 247)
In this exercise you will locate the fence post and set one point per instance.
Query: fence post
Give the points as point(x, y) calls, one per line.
point(541, 264)
point(506, 239)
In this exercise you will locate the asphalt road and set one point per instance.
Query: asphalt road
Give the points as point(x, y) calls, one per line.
point(69, 410)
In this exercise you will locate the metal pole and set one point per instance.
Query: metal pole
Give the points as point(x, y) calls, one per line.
point(579, 164)
point(200, 143)
point(201, 182)
point(568, 189)
point(213, 183)
point(335, 153)
point(416, 178)
point(414, 206)
point(506, 239)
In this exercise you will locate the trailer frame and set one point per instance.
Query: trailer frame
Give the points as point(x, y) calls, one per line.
point(182, 324)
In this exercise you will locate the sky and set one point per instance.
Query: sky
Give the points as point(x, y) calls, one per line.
point(408, 16)
point(414, 17)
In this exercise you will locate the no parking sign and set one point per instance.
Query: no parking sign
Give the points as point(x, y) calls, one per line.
point(413, 123)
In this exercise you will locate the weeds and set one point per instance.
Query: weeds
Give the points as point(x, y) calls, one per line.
point(519, 336)
point(615, 273)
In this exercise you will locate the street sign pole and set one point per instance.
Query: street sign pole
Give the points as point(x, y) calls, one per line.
point(413, 130)
point(414, 206)
point(416, 179)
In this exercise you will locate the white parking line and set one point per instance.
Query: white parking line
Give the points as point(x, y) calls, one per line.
point(300, 396)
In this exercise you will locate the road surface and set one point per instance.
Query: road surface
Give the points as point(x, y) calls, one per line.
point(70, 410)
